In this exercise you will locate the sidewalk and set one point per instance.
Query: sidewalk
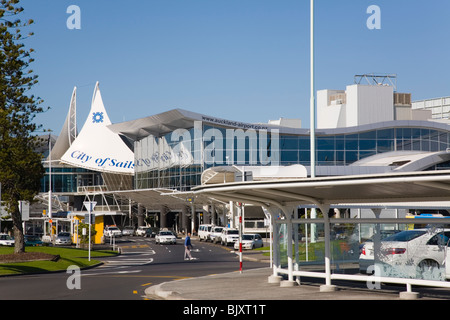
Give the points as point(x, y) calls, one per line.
point(253, 285)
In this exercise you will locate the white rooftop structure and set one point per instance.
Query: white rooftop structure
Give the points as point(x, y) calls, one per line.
point(98, 148)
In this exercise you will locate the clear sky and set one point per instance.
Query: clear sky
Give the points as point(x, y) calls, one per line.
point(245, 60)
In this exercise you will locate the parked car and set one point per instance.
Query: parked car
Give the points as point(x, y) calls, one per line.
point(203, 231)
point(33, 241)
point(128, 231)
point(229, 236)
point(165, 237)
point(214, 234)
point(141, 231)
point(417, 253)
point(112, 231)
point(6, 240)
point(250, 241)
point(63, 238)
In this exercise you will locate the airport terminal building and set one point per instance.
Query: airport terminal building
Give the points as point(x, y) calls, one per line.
point(141, 171)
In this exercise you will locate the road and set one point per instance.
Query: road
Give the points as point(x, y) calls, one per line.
point(125, 277)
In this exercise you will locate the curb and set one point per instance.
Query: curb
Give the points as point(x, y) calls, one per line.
point(158, 292)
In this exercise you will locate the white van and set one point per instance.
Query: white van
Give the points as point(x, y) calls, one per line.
point(203, 231)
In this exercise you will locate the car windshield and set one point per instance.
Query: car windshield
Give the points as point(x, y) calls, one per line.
point(233, 232)
point(405, 236)
point(218, 230)
point(247, 237)
point(165, 233)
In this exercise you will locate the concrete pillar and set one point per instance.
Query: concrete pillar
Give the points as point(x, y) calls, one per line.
point(213, 215)
point(140, 215)
point(163, 217)
point(184, 219)
point(206, 218)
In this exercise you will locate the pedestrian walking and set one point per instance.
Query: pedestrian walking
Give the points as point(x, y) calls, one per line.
point(188, 247)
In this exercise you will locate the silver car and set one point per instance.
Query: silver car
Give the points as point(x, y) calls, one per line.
point(63, 238)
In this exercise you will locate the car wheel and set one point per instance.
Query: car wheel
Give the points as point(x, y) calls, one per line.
point(428, 270)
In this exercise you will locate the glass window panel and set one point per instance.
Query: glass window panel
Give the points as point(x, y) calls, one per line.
point(385, 134)
point(325, 144)
point(367, 145)
point(416, 145)
point(407, 133)
point(407, 145)
point(443, 137)
point(425, 134)
point(288, 142)
point(304, 156)
point(351, 144)
point(434, 135)
point(340, 144)
point(326, 156)
point(368, 135)
point(385, 145)
point(304, 143)
point(289, 156)
point(415, 133)
point(399, 144)
point(434, 146)
point(365, 154)
point(351, 136)
point(351, 156)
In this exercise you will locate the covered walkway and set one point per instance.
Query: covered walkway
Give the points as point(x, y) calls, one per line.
point(281, 198)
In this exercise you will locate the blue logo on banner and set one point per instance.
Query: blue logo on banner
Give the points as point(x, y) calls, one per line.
point(97, 117)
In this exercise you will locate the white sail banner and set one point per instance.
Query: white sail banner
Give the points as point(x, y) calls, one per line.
point(98, 148)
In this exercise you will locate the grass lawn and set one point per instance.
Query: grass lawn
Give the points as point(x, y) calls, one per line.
point(68, 256)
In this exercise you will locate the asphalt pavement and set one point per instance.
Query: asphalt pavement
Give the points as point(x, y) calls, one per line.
point(254, 285)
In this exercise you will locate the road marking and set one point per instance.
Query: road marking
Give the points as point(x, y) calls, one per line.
point(146, 284)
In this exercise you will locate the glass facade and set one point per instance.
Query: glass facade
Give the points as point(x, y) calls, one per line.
point(68, 179)
point(177, 159)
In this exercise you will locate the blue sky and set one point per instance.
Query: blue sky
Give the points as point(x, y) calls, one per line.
point(245, 60)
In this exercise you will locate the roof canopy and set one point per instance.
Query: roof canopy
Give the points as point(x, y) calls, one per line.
point(369, 189)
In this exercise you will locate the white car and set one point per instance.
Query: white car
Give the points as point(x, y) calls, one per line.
point(128, 231)
point(141, 231)
point(250, 241)
point(165, 237)
point(418, 253)
point(228, 236)
point(214, 235)
point(6, 240)
point(112, 231)
point(203, 231)
point(63, 238)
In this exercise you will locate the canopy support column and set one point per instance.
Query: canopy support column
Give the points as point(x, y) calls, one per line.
point(327, 287)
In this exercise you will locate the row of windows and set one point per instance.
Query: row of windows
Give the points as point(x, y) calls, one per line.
point(341, 149)
point(68, 182)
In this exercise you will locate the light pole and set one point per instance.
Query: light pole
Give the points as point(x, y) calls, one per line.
point(312, 96)
point(312, 115)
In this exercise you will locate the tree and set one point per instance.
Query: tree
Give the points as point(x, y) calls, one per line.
point(21, 166)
